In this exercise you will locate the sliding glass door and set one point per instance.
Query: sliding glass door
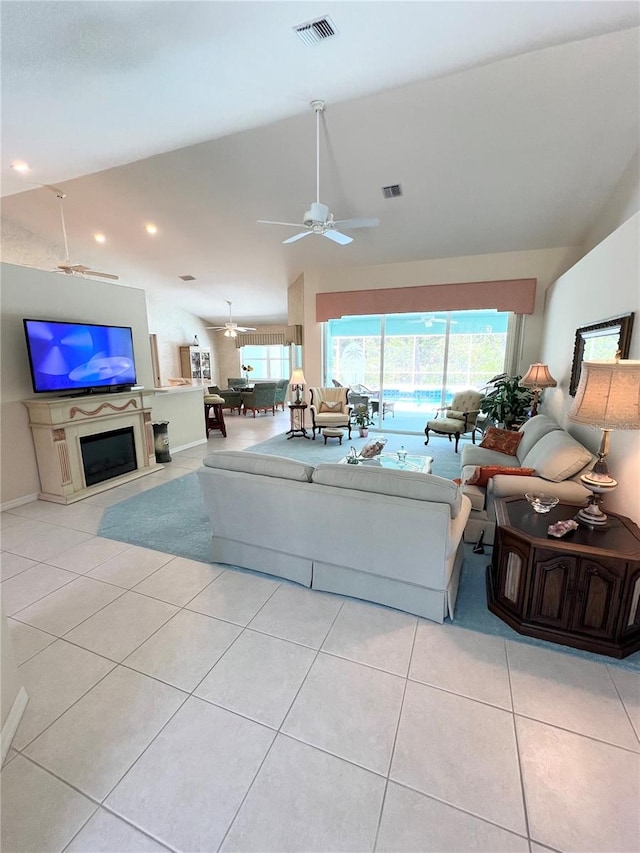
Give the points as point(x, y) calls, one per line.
point(411, 364)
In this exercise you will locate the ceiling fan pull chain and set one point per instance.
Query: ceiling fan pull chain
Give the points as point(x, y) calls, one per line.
point(318, 111)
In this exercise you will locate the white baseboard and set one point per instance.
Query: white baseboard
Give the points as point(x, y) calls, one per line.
point(187, 446)
point(13, 721)
point(26, 499)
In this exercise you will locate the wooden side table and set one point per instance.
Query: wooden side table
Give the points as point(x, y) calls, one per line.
point(582, 590)
point(297, 413)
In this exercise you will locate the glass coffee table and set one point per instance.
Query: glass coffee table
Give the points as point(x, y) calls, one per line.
point(419, 464)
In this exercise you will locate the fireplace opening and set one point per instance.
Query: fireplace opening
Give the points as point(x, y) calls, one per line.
point(107, 455)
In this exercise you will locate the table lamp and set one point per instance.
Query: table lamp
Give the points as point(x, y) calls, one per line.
point(608, 397)
point(297, 382)
point(537, 378)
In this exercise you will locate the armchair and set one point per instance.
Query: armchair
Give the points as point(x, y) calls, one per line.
point(329, 408)
point(459, 418)
point(263, 397)
point(231, 399)
point(281, 392)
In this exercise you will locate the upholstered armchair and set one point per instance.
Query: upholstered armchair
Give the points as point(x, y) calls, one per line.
point(329, 408)
point(239, 382)
point(281, 392)
point(457, 419)
point(262, 398)
point(232, 399)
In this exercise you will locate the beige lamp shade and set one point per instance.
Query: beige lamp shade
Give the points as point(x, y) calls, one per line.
point(297, 377)
point(608, 395)
point(538, 376)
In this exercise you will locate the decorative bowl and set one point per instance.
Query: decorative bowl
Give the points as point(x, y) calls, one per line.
point(541, 502)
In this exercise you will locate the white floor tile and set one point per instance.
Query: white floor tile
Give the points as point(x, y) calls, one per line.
point(414, 823)
point(348, 709)
point(464, 662)
point(298, 614)
point(31, 585)
point(183, 651)
point(106, 833)
point(22, 531)
point(329, 804)
point(179, 580)
point(39, 813)
point(63, 609)
point(569, 692)
point(628, 686)
point(54, 679)
point(258, 677)
point(13, 564)
point(581, 794)
point(120, 627)
point(204, 760)
point(11, 754)
point(373, 635)
point(129, 567)
point(462, 752)
point(27, 641)
point(8, 519)
point(97, 740)
point(234, 596)
point(44, 546)
point(88, 555)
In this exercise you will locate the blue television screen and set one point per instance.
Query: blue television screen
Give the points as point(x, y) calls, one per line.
point(79, 356)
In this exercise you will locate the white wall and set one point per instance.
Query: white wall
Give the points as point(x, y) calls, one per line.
point(623, 202)
point(13, 695)
point(603, 284)
point(544, 264)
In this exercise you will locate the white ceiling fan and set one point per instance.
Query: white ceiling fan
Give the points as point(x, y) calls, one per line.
point(66, 266)
point(318, 220)
point(230, 328)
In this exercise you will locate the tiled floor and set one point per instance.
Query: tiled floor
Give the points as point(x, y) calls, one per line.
point(177, 705)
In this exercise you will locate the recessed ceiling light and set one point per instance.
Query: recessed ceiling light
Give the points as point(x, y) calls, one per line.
point(150, 228)
point(20, 166)
point(99, 238)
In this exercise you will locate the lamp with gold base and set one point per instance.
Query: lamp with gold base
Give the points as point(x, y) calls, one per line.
point(608, 397)
point(537, 378)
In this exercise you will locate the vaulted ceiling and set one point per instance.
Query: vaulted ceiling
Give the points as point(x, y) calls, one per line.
point(507, 126)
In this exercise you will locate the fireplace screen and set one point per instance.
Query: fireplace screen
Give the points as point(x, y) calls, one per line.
point(107, 455)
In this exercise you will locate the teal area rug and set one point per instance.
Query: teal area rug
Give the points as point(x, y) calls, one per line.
point(172, 518)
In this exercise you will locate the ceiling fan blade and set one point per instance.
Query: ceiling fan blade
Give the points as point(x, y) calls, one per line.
point(371, 222)
point(245, 329)
point(108, 275)
point(216, 328)
point(298, 237)
point(270, 222)
point(337, 237)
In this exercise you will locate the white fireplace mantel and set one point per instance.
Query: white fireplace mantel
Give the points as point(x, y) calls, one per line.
point(58, 424)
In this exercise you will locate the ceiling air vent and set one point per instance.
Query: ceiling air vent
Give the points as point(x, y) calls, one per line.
point(187, 277)
point(316, 31)
point(392, 191)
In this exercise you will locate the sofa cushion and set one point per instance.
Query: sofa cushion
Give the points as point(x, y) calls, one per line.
point(482, 474)
point(385, 481)
point(503, 440)
point(557, 456)
point(532, 431)
point(259, 463)
point(455, 414)
point(330, 406)
point(473, 454)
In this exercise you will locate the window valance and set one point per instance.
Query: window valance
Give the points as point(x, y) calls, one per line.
point(261, 339)
point(517, 295)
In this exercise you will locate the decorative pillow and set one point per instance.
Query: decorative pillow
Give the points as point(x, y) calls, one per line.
point(504, 440)
point(453, 413)
point(483, 474)
point(330, 407)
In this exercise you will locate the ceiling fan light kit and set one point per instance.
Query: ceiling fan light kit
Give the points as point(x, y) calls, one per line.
point(230, 328)
point(318, 220)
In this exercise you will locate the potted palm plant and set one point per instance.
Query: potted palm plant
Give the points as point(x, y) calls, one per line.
point(507, 403)
point(362, 418)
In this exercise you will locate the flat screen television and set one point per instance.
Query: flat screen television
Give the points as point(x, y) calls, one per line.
point(79, 357)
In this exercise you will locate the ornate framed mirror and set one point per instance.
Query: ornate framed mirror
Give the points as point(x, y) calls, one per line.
point(600, 342)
